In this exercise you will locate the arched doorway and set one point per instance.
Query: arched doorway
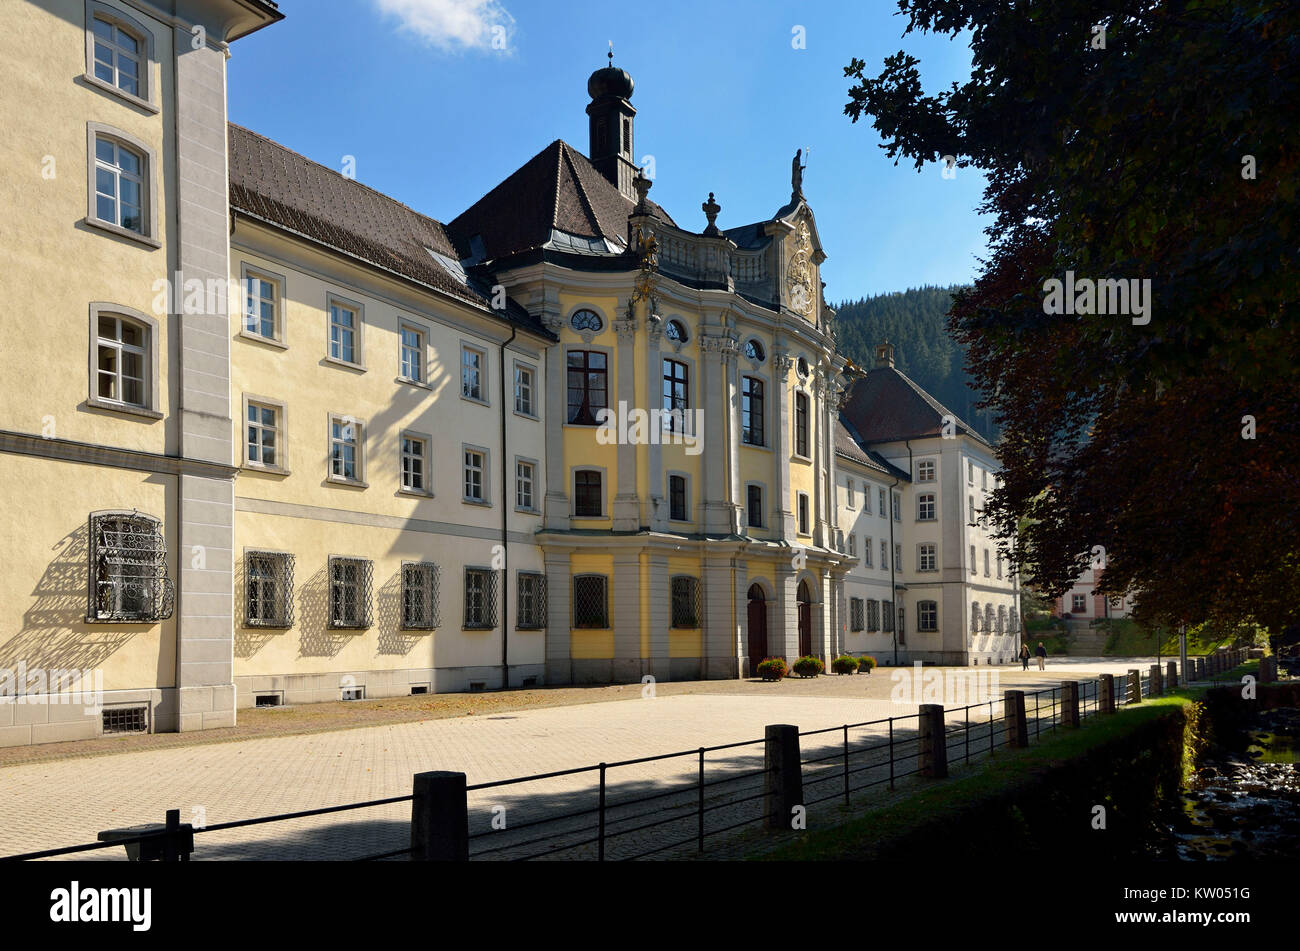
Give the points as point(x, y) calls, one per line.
point(757, 627)
point(804, 597)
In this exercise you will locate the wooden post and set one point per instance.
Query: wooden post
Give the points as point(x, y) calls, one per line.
point(933, 740)
point(1070, 703)
point(783, 780)
point(1013, 710)
point(1106, 693)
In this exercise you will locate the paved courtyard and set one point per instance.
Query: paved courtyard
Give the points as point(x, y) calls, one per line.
point(68, 801)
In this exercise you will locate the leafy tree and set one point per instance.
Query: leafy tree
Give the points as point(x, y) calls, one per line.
point(1129, 140)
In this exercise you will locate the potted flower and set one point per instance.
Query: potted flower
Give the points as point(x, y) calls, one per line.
point(808, 666)
point(865, 663)
point(773, 668)
point(844, 664)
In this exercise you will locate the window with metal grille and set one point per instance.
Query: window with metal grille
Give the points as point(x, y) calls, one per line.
point(128, 569)
point(925, 507)
point(1002, 619)
point(989, 619)
point(927, 616)
point(887, 616)
point(975, 616)
point(587, 495)
point(873, 615)
point(801, 424)
point(1015, 621)
point(480, 599)
point(350, 581)
point(751, 411)
point(590, 601)
point(902, 625)
point(587, 385)
point(677, 498)
point(420, 595)
point(856, 620)
point(754, 505)
point(268, 589)
point(530, 601)
point(126, 720)
point(685, 592)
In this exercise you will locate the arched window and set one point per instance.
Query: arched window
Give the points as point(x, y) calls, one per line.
point(119, 185)
point(586, 320)
point(675, 330)
point(754, 350)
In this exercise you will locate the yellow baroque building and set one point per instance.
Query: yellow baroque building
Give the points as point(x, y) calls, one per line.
point(329, 448)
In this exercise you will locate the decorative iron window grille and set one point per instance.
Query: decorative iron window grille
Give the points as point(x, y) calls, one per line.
point(530, 601)
point(480, 599)
point(590, 601)
point(350, 584)
point(268, 589)
point(855, 614)
point(975, 616)
point(420, 596)
point(128, 569)
point(887, 616)
point(586, 320)
point(1015, 621)
point(686, 601)
point(873, 615)
point(125, 719)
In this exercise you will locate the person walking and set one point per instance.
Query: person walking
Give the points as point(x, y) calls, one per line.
point(1024, 656)
point(1041, 651)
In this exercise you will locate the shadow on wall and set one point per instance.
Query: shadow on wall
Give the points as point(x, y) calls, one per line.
point(315, 636)
point(54, 633)
point(248, 640)
point(393, 640)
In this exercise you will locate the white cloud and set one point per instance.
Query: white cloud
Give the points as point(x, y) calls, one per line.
point(454, 24)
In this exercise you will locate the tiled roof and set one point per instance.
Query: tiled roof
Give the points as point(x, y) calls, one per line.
point(277, 185)
point(848, 446)
point(886, 406)
point(558, 189)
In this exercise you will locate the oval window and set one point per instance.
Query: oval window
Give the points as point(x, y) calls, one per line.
point(586, 320)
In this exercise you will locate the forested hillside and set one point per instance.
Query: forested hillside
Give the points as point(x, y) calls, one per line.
point(915, 322)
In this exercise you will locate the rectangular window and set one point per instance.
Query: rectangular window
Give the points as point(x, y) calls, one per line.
point(412, 355)
point(970, 472)
point(925, 470)
point(122, 355)
point(676, 396)
point(588, 499)
point(898, 507)
point(873, 615)
point(925, 507)
point(345, 444)
point(866, 499)
point(801, 424)
point(884, 555)
point(986, 563)
point(350, 592)
point(268, 589)
point(119, 185)
point(867, 545)
point(898, 556)
point(415, 453)
point(263, 435)
point(927, 616)
point(751, 411)
point(887, 616)
point(419, 595)
point(754, 506)
point(480, 599)
point(677, 498)
point(587, 386)
point(530, 601)
point(475, 469)
point(1078, 603)
point(856, 619)
point(853, 545)
point(524, 485)
point(524, 390)
point(343, 333)
point(881, 499)
point(849, 486)
point(803, 514)
point(590, 602)
point(128, 565)
point(260, 306)
point(973, 568)
point(471, 374)
point(984, 479)
point(998, 559)
point(685, 596)
point(970, 504)
point(927, 557)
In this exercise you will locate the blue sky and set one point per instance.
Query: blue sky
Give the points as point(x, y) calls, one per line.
point(435, 115)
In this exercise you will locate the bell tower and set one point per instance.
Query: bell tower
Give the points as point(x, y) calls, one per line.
point(611, 119)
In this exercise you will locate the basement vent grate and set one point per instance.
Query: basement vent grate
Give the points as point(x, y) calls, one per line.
point(268, 700)
point(476, 686)
point(530, 682)
point(422, 688)
point(126, 720)
point(353, 693)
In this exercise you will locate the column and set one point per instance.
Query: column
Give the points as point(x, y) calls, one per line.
point(626, 583)
point(627, 508)
point(721, 628)
point(660, 604)
point(205, 556)
point(657, 503)
point(782, 515)
point(713, 460)
point(559, 617)
point(556, 506)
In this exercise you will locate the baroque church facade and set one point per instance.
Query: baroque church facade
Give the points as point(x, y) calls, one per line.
point(560, 439)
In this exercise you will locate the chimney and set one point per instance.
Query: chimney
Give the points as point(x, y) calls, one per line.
point(884, 354)
point(611, 118)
